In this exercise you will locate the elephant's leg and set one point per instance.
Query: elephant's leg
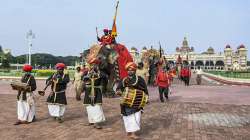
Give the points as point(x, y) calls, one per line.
point(111, 81)
point(104, 87)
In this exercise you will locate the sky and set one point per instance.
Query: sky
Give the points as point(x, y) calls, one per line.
point(67, 27)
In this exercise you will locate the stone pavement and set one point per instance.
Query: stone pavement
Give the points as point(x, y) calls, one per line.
point(206, 112)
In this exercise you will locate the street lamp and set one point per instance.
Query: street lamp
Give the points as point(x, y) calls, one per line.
point(30, 36)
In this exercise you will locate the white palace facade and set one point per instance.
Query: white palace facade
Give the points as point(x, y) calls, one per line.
point(209, 60)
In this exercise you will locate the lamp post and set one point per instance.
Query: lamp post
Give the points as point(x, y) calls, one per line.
point(30, 36)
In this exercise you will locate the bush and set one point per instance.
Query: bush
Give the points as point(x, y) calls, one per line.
point(47, 73)
point(43, 73)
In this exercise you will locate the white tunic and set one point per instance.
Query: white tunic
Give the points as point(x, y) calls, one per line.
point(56, 110)
point(26, 109)
point(95, 113)
point(132, 122)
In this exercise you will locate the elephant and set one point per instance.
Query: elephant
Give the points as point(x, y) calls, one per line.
point(107, 57)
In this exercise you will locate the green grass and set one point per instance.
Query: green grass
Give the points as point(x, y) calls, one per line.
point(232, 74)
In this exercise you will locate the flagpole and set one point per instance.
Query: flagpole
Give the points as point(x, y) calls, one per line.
point(114, 32)
point(97, 34)
point(117, 4)
point(160, 49)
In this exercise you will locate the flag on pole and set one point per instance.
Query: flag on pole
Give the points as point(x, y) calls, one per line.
point(114, 30)
point(160, 49)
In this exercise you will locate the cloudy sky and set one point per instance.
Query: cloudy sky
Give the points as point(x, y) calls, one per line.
point(66, 27)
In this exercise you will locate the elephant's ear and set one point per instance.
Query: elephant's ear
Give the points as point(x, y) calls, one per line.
point(94, 51)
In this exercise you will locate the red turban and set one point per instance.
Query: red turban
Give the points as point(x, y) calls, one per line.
point(105, 30)
point(60, 66)
point(27, 68)
point(94, 60)
point(131, 66)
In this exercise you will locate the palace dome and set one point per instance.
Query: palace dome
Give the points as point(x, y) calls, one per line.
point(228, 46)
point(185, 42)
point(210, 50)
point(133, 49)
point(242, 46)
point(192, 49)
point(144, 48)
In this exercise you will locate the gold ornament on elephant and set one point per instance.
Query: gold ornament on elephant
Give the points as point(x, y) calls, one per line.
point(94, 50)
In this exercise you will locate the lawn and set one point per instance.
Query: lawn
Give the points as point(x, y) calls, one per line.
point(232, 74)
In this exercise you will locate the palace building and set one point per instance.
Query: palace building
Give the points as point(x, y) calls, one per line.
point(208, 60)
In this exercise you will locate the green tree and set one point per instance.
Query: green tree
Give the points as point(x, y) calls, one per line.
point(20, 59)
point(1, 49)
point(43, 59)
point(5, 63)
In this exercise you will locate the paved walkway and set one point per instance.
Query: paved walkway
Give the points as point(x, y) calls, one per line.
point(206, 112)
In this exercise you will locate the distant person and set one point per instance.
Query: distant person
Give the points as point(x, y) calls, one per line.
point(84, 69)
point(163, 82)
point(25, 98)
point(172, 72)
point(152, 71)
point(141, 71)
point(57, 98)
point(186, 74)
point(199, 76)
point(78, 83)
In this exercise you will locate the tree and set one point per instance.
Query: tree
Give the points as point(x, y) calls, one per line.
point(1, 49)
point(43, 59)
point(20, 59)
point(5, 63)
point(10, 58)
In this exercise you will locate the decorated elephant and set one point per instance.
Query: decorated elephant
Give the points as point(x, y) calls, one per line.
point(151, 59)
point(113, 59)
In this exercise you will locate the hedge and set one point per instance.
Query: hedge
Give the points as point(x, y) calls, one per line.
point(36, 73)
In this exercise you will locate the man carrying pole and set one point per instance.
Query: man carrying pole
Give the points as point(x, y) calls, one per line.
point(57, 98)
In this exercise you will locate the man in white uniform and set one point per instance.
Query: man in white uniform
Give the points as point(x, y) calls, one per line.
point(25, 99)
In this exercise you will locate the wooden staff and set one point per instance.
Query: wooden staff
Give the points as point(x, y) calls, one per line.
point(96, 31)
